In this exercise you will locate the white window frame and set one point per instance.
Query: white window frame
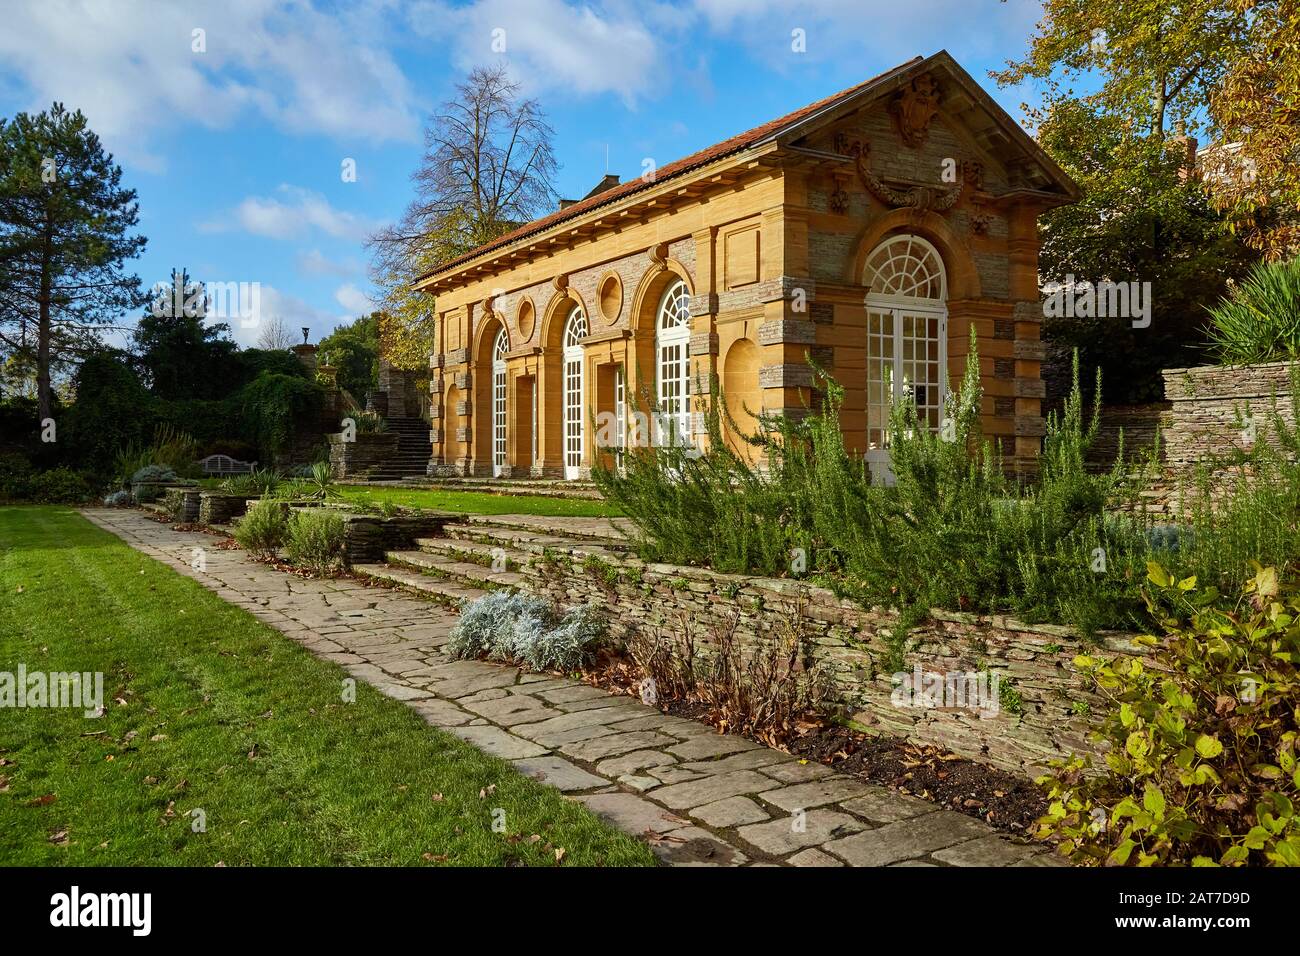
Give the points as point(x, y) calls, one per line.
point(673, 363)
point(575, 330)
point(620, 417)
point(499, 451)
point(891, 272)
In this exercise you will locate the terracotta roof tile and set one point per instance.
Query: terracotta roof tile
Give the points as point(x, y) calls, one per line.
point(717, 151)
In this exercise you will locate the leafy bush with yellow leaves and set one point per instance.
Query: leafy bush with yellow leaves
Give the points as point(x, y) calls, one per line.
point(1201, 768)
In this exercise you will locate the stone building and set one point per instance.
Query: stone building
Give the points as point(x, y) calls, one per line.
point(867, 232)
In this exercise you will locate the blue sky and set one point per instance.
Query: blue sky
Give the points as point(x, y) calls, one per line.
point(237, 150)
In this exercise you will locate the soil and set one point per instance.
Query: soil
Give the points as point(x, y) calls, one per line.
point(1001, 799)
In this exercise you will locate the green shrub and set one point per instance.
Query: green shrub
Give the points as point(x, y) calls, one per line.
point(260, 482)
point(1259, 321)
point(370, 423)
point(263, 528)
point(319, 483)
point(316, 539)
point(273, 406)
point(15, 472)
point(951, 531)
point(523, 629)
point(57, 486)
point(113, 411)
point(1201, 767)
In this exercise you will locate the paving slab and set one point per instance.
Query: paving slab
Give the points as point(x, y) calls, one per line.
point(697, 793)
point(497, 742)
point(817, 793)
point(906, 839)
point(881, 805)
point(731, 812)
point(559, 773)
point(800, 830)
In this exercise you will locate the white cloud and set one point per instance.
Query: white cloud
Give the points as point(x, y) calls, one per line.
point(316, 263)
point(294, 212)
point(353, 300)
point(295, 312)
point(550, 44)
point(131, 68)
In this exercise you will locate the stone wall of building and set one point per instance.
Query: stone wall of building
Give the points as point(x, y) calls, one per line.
point(1045, 710)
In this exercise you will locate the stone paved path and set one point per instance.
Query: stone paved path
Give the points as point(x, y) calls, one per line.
point(696, 796)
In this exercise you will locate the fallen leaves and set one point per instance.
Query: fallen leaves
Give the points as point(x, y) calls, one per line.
point(44, 801)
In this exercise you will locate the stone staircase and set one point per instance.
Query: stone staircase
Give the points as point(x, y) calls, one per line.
point(483, 553)
point(546, 487)
point(413, 450)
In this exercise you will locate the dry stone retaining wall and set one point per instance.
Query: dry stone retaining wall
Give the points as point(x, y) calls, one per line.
point(368, 450)
point(1045, 712)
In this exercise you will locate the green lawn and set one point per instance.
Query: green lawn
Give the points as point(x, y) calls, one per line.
point(477, 502)
point(209, 709)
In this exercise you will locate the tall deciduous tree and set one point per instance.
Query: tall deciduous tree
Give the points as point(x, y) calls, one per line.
point(1257, 110)
point(1157, 61)
point(276, 335)
point(1142, 218)
point(487, 167)
point(65, 236)
point(353, 349)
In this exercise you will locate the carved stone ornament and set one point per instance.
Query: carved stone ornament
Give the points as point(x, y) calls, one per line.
point(914, 107)
point(658, 256)
point(926, 198)
point(839, 199)
point(560, 282)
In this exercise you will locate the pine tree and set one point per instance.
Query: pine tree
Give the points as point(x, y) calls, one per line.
point(65, 236)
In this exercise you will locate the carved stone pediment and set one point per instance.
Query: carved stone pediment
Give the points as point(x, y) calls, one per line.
point(914, 197)
point(914, 107)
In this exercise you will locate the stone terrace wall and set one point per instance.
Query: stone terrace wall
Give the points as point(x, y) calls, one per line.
point(853, 645)
point(1138, 424)
point(1207, 404)
point(1200, 419)
point(354, 459)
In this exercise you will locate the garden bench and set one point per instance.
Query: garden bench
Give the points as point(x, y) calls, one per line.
point(225, 465)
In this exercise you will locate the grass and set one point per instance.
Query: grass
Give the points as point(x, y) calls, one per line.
point(478, 502)
point(209, 709)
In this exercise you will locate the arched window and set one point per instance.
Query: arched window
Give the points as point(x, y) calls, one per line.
point(906, 267)
point(575, 330)
point(907, 335)
point(499, 350)
point(672, 348)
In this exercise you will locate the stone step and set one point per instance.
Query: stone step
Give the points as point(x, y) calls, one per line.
point(455, 548)
point(551, 488)
point(462, 572)
point(603, 531)
point(534, 543)
point(445, 592)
